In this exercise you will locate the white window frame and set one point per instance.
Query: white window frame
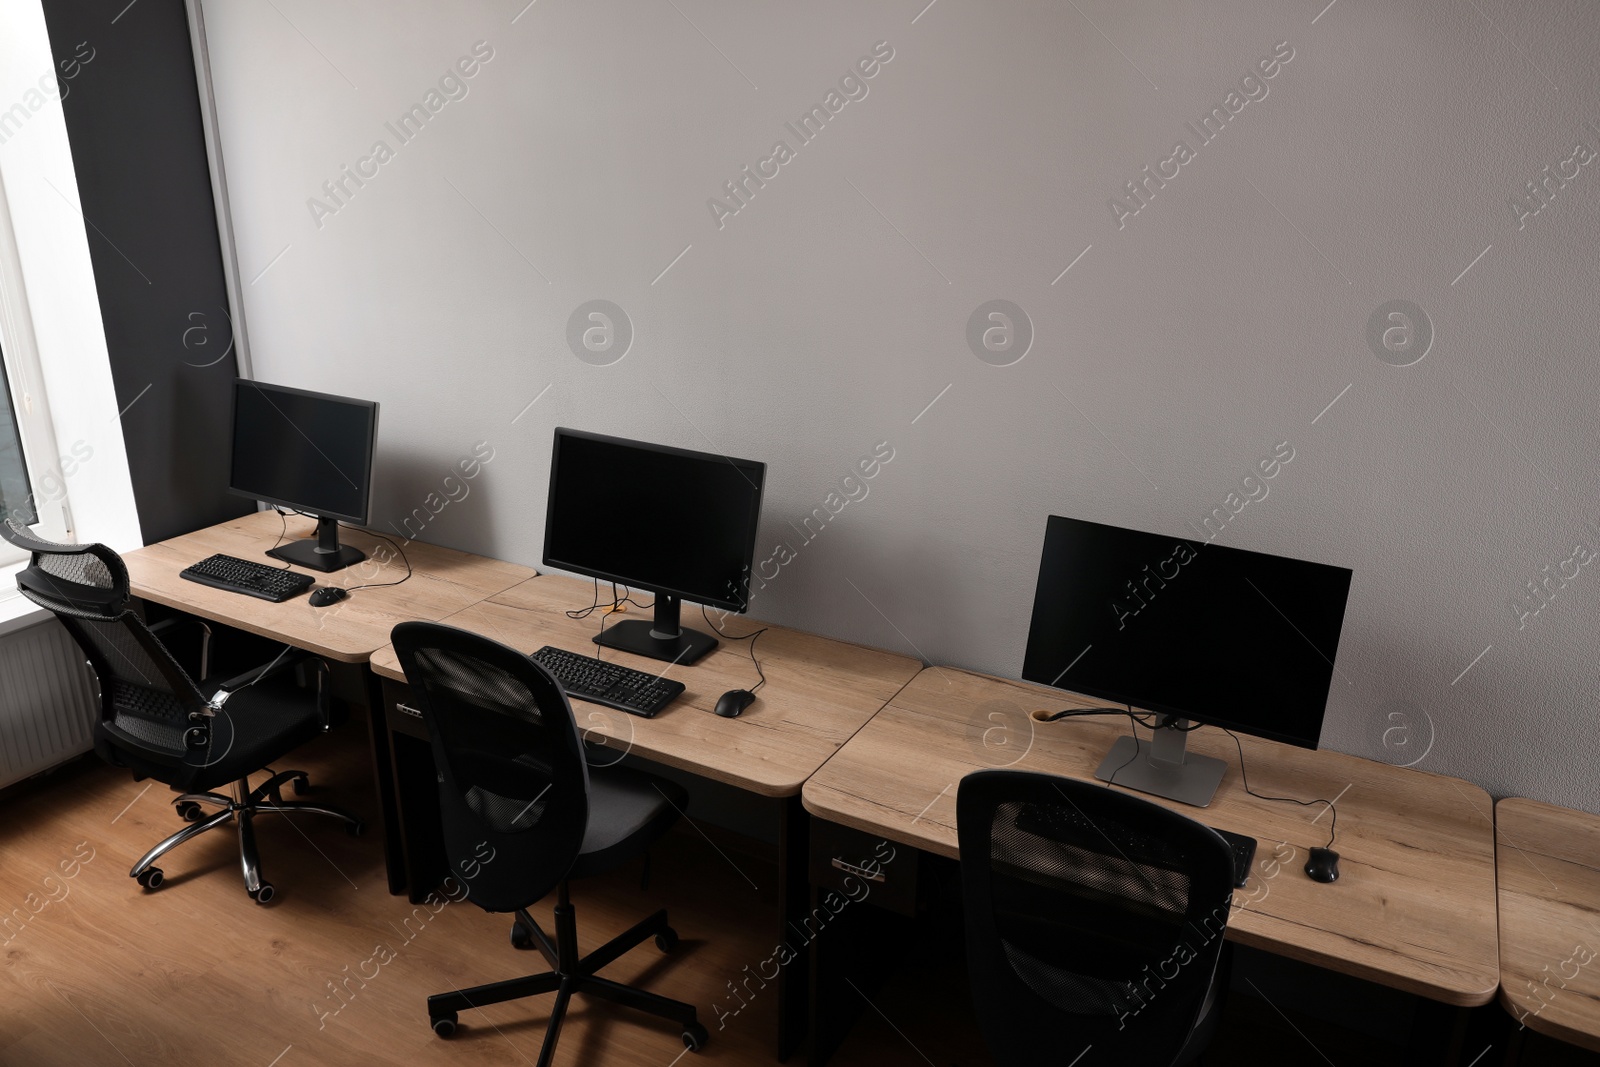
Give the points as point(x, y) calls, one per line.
point(29, 402)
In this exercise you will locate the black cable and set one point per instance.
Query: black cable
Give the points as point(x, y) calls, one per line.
point(1134, 732)
point(1143, 720)
point(403, 559)
point(751, 637)
point(1070, 713)
point(584, 613)
point(627, 598)
point(1333, 824)
point(283, 531)
point(1135, 720)
point(617, 601)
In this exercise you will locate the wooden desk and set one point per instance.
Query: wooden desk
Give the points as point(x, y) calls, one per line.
point(1549, 867)
point(1414, 907)
point(819, 692)
point(443, 581)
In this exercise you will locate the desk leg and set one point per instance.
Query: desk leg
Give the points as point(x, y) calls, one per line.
point(794, 981)
point(383, 777)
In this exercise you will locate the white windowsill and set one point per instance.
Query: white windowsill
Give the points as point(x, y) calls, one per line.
point(17, 612)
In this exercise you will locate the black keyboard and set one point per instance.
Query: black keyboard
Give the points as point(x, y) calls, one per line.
point(610, 685)
point(1244, 853)
point(252, 579)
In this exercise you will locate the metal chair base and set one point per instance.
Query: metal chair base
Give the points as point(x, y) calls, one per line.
point(243, 807)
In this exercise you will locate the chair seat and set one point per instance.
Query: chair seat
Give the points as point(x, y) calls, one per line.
point(258, 725)
point(628, 810)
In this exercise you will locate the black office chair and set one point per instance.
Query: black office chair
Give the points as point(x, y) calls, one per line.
point(157, 721)
point(1094, 920)
point(522, 814)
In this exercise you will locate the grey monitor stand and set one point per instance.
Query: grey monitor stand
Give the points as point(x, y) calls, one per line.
point(1162, 767)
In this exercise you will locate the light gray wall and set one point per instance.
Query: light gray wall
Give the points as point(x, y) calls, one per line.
point(824, 317)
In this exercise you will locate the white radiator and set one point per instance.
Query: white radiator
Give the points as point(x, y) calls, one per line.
point(48, 704)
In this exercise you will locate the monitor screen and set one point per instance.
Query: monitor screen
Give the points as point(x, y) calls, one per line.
point(1237, 639)
point(307, 451)
point(665, 519)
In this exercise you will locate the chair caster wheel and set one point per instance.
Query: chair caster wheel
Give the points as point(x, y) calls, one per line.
point(444, 1025)
point(264, 894)
point(667, 940)
point(521, 936)
point(189, 811)
point(302, 785)
point(355, 829)
point(695, 1037)
point(151, 878)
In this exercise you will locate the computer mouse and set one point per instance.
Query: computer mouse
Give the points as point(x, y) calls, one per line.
point(1323, 865)
point(731, 703)
point(328, 594)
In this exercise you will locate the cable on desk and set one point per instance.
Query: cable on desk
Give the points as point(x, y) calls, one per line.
point(1333, 824)
point(1144, 720)
point(584, 613)
point(1133, 718)
point(751, 637)
point(616, 601)
point(283, 531)
point(403, 559)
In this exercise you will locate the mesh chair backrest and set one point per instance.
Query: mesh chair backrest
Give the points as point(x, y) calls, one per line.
point(1094, 919)
point(146, 697)
point(91, 577)
point(513, 781)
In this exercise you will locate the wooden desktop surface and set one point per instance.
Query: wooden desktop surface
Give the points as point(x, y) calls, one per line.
point(818, 693)
point(443, 581)
point(1414, 908)
point(1549, 865)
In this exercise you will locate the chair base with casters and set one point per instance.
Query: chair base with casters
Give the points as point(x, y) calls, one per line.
point(572, 975)
point(242, 807)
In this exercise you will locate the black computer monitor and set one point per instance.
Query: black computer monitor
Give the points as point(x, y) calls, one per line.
point(1192, 631)
point(680, 524)
point(310, 452)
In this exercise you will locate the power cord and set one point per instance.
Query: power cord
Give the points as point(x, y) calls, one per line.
point(751, 637)
point(1133, 718)
point(617, 601)
point(1333, 824)
point(284, 532)
point(384, 537)
point(1144, 720)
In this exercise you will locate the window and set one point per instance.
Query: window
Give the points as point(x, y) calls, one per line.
point(33, 486)
point(16, 491)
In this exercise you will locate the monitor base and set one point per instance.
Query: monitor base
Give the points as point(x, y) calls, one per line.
point(638, 636)
point(1193, 781)
point(307, 554)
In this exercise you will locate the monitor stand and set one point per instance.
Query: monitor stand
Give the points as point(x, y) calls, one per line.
point(661, 639)
point(322, 552)
point(1162, 767)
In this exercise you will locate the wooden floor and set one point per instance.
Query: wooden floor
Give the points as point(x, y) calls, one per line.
point(97, 971)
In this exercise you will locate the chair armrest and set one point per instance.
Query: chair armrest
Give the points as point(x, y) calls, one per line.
point(290, 661)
